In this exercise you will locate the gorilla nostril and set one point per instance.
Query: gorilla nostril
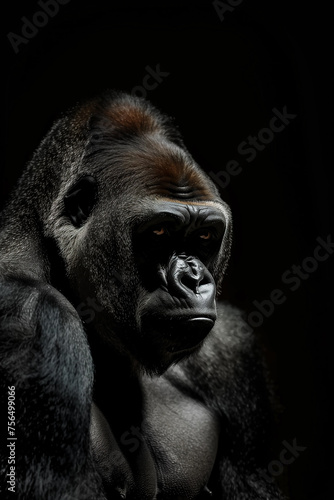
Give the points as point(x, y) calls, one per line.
point(190, 281)
point(195, 281)
point(186, 274)
point(193, 275)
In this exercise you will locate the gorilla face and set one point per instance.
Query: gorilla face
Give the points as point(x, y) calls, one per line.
point(144, 232)
point(173, 247)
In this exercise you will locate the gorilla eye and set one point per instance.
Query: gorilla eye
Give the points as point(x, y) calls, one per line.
point(160, 231)
point(207, 235)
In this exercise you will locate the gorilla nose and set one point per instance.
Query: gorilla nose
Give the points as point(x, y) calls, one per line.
point(192, 275)
point(186, 275)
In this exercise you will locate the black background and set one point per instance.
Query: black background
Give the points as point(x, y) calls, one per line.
point(225, 77)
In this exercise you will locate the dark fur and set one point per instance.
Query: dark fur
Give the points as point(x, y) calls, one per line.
point(48, 268)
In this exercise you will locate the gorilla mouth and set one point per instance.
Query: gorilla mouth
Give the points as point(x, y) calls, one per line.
point(177, 330)
point(188, 333)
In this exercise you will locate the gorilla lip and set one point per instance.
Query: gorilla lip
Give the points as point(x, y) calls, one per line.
point(192, 333)
point(188, 333)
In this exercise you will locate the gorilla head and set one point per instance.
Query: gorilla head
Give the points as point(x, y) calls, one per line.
point(137, 224)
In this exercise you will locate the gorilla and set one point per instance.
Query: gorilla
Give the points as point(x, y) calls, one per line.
point(128, 379)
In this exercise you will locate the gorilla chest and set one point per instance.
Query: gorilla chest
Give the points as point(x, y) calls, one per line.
point(182, 436)
point(169, 453)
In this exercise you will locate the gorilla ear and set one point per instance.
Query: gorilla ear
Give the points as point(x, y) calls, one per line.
point(80, 200)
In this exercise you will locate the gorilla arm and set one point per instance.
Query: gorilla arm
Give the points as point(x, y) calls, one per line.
point(44, 354)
